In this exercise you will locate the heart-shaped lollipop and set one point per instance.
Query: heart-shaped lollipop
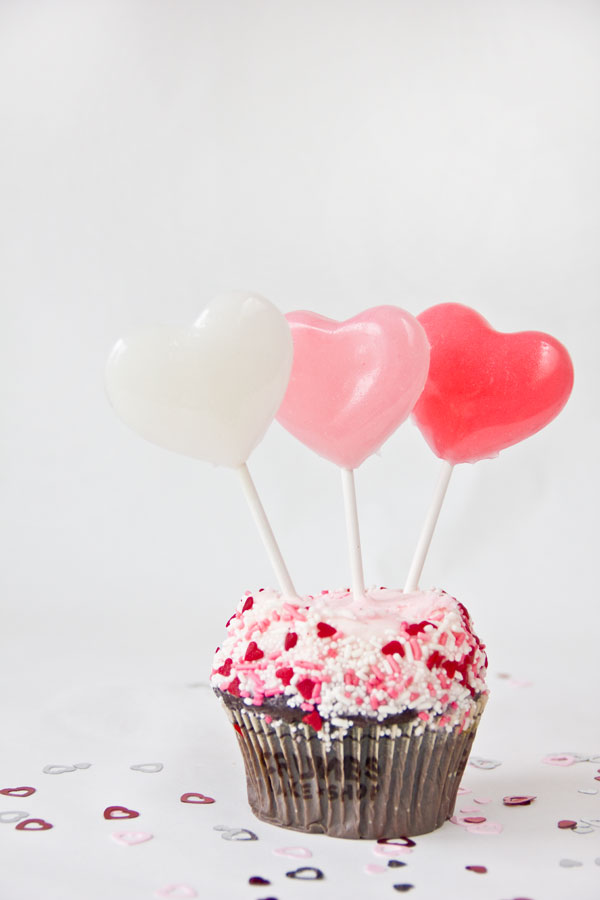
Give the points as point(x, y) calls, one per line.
point(209, 390)
point(487, 390)
point(353, 383)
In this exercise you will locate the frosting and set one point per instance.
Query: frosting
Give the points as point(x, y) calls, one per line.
point(333, 657)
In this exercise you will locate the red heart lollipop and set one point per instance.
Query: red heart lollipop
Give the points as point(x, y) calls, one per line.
point(487, 390)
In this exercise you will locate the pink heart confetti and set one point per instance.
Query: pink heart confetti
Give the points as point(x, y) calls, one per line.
point(559, 759)
point(293, 852)
point(176, 892)
point(131, 838)
point(374, 869)
point(390, 850)
point(463, 790)
point(482, 799)
point(491, 828)
point(467, 810)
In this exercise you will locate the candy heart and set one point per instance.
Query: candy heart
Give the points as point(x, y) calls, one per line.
point(18, 792)
point(176, 892)
point(120, 812)
point(10, 816)
point(34, 825)
point(209, 390)
point(353, 383)
point(130, 838)
point(195, 798)
point(487, 390)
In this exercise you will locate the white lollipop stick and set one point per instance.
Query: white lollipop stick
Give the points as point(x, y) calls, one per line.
point(358, 578)
point(266, 533)
point(412, 582)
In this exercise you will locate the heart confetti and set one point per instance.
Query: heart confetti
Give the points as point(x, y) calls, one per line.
point(193, 797)
point(306, 873)
point(120, 812)
point(353, 383)
point(58, 770)
point(176, 892)
point(258, 880)
point(236, 834)
point(491, 828)
point(403, 888)
point(82, 765)
point(34, 825)
point(131, 838)
point(18, 792)
point(390, 850)
point(480, 763)
point(570, 863)
point(209, 390)
point(147, 768)
point(395, 863)
point(374, 869)
point(567, 823)
point(480, 870)
point(293, 852)
point(10, 816)
point(517, 800)
point(397, 842)
point(485, 390)
point(560, 759)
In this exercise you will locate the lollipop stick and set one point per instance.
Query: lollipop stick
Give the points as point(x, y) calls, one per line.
point(266, 533)
point(412, 582)
point(358, 579)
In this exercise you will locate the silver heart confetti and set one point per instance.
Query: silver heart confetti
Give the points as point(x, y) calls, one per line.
point(12, 815)
point(570, 863)
point(480, 763)
point(58, 770)
point(148, 768)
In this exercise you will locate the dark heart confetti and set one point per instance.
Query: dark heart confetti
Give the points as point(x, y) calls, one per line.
point(395, 863)
point(397, 842)
point(33, 825)
point(120, 812)
point(518, 800)
point(256, 879)
point(18, 792)
point(480, 870)
point(195, 798)
point(306, 873)
point(403, 888)
point(567, 823)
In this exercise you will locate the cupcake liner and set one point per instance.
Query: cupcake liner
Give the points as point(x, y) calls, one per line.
point(377, 781)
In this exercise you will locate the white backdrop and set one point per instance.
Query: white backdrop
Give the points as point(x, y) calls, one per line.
point(332, 156)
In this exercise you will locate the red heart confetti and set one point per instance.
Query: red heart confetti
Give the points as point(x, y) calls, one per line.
point(480, 870)
point(486, 391)
point(518, 800)
point(253, 652)
point(18, 791)
point(199, 798)
point(567, 823)
point(474, 820)
point(256, 879)
point(324, 630)
point(33, 825)
point(120, 812)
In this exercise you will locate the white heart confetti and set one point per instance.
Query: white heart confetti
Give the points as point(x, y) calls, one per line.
point(148, 768)
point(12, 815)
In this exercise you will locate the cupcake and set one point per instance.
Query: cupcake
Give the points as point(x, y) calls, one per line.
point(355, 718)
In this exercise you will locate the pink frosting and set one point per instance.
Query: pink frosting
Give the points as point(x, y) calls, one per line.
point(334, 657)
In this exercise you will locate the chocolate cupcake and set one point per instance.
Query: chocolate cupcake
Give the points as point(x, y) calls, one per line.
point(354, 718)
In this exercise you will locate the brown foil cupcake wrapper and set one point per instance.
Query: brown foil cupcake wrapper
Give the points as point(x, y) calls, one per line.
point(377, 781)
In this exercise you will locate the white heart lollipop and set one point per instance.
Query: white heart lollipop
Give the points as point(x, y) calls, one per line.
point(209, 390)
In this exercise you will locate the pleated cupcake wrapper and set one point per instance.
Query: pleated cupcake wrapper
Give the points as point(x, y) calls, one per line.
point(377, 781)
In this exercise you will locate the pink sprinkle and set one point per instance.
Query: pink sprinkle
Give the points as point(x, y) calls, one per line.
point(459, 638)
point(305, 664)
point(258, 699)
point(443, 638)
point(359, 701)
point(416, 649)
point(424, 716)
point(275, 655)
point(377, 671)
point(375, 703)
point(272, 692)
point(444, 720)
point(268, 719)
point(414, 696)
point(350, 677)
point(332, 652)
point(393, 692)
point(393, 664)
point(244, 693)
point(275, 615)
point(444, 698)
point(307, 707)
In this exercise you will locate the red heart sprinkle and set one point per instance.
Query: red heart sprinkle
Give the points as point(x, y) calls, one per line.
point(200, 798)
point(33, 825)
point(291, 639)
point(285, 674)
point(253, 652)
point(248, 604)
point(393, 647)
point(324, 630)
point(306, 687)
point(120, 812)
point(481, 870)
point(314, 720)
point(18, 791)
point(225, 669)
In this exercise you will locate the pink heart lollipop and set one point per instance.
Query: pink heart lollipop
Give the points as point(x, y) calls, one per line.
point(353, 383)
point(487, 390)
